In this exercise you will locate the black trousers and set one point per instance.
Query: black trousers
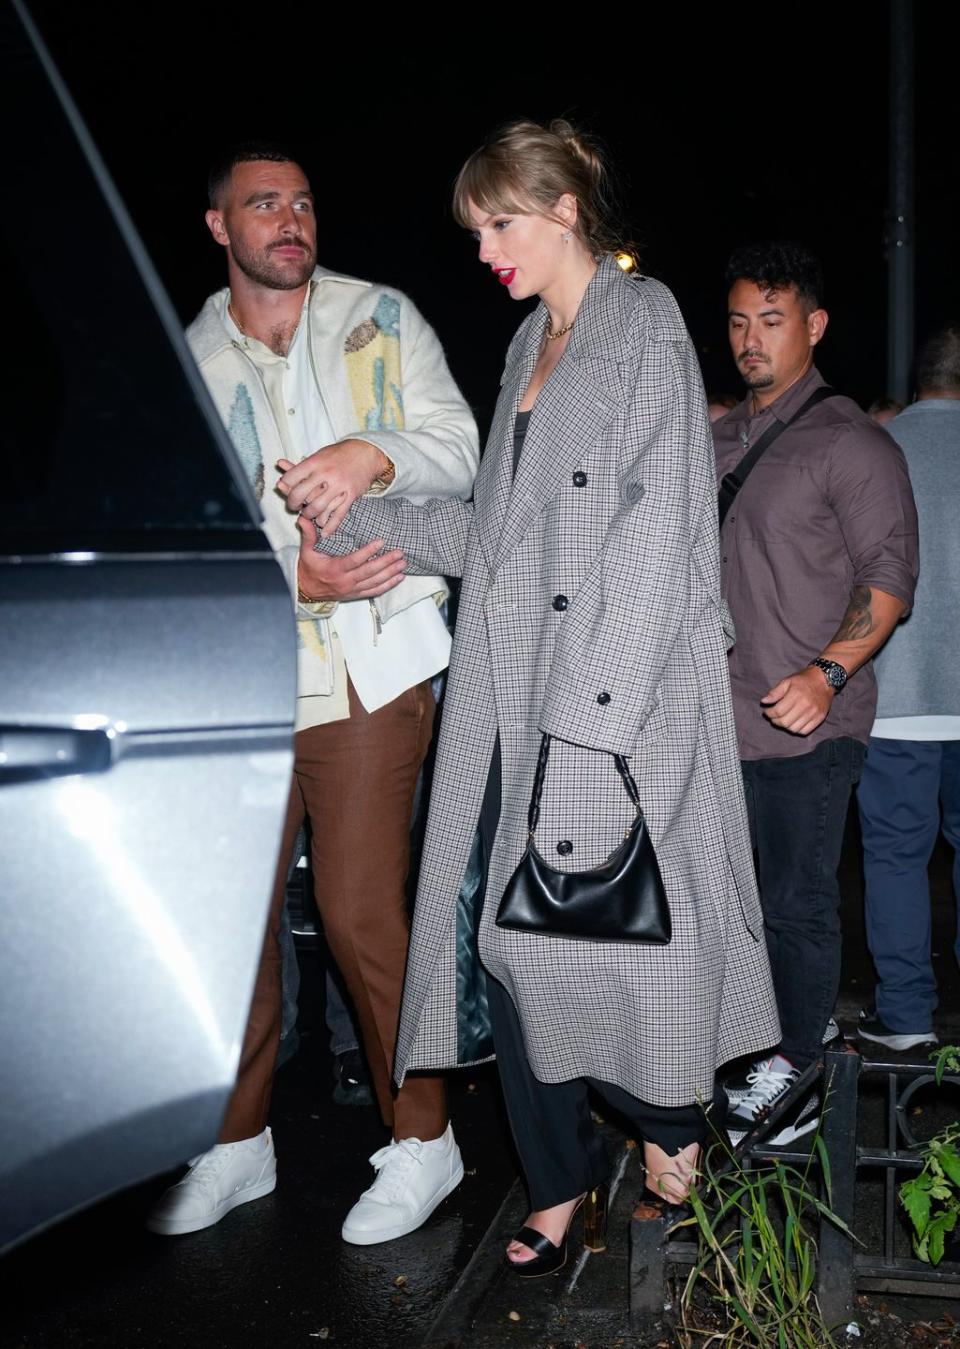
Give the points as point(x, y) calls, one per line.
point(560, 1151)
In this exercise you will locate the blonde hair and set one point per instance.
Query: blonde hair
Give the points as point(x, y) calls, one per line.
point(524, 168)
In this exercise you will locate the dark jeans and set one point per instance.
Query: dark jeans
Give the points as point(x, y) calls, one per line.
point(798, 810)
point(905, 785)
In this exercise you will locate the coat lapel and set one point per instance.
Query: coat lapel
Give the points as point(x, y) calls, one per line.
point(581, 397)
point(495, 480)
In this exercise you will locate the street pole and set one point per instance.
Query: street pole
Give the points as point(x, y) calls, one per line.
point(900, 221)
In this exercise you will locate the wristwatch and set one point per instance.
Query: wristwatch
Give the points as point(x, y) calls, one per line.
point(833, 672)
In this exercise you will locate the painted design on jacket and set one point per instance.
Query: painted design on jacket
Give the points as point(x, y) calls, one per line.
point(246, 442)
point(372, 352)
point(311, 640)
point(362, 335)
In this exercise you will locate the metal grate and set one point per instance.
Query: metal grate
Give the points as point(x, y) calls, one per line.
point(844, 1268)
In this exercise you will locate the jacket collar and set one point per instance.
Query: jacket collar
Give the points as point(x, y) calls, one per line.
point(207, 335)
point(579, 399)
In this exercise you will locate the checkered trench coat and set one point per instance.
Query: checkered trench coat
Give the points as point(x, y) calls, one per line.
point(613, 508)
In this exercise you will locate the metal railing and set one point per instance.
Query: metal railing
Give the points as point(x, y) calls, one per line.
point(844, 1267)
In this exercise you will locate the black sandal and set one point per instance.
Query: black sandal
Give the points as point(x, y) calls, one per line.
point(548, 1258)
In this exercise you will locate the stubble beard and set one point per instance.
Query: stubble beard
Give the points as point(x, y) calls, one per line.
point(760, 379)
point(259, 267)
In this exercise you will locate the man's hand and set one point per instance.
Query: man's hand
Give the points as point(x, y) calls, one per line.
point(800, 702)
point(326, 484)
point(358, 576)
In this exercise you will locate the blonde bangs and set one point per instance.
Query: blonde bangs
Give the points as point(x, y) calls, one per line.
point(525, 168)
point(486, 184)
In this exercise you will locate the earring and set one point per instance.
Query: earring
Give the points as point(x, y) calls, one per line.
point(567, 236)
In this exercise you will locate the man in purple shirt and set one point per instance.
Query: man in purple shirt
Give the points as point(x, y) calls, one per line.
point(819, 561)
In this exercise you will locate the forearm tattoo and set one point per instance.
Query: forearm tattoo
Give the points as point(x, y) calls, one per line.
point(858, 620)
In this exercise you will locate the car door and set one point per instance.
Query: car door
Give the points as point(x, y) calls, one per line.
point(147, 687)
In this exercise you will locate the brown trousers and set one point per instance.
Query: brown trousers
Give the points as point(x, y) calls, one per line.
point(355, 781)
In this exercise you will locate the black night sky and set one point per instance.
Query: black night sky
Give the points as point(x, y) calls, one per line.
point(735, 123)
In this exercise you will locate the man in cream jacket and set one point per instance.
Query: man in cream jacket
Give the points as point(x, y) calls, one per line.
point(299, 359)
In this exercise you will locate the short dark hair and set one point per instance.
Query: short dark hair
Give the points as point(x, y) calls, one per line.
point(779, 265)
point(244, 152)
point(885, 403)
point(937, 364)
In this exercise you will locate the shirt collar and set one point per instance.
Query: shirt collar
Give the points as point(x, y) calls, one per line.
point(257, 349)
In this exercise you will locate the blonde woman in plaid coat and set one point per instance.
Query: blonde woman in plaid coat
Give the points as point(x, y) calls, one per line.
point(590, 610)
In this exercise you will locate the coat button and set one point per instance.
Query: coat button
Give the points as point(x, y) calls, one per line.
point(564, 847)
point(579, 479)
point(603, 698)
point(560, 603)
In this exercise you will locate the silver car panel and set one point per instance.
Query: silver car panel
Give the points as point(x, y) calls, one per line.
point(147, 687)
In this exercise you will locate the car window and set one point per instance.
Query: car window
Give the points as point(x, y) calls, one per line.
point(107, 439)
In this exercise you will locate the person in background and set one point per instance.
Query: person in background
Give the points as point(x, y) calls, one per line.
point(910, 787)
point(719, 404)
point(818, 554)
point(883, 410)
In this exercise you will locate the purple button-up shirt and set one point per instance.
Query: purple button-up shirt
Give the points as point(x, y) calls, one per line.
point(827, 507)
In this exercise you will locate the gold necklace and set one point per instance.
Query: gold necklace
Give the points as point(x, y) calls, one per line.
point(552, 336)
point(243, 332)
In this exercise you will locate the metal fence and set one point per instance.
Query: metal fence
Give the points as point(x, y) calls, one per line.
point(844, 1266)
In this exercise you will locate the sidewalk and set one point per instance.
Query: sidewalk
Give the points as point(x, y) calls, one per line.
point(586, 1306)
point(586, 1303)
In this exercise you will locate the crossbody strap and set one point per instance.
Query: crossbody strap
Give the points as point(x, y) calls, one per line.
point(732, 482)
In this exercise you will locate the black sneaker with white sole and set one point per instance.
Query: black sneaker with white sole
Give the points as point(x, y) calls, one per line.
point(800, 1119)
point(768, 1088)
point(870, 1027)
point(832, 1035)
point(741, 1084)
point(767, 1085)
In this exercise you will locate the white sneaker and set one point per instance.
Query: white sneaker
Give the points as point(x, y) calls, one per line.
point(228, 1175)
point(412, 1179)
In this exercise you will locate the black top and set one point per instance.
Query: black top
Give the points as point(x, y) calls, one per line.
point(519, 431)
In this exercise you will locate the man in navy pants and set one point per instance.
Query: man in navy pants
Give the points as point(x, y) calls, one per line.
point(913, 763)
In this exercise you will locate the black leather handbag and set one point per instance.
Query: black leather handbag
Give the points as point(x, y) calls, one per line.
point(623, 900)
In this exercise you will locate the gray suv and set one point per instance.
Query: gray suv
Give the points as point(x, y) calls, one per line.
point(147, 685)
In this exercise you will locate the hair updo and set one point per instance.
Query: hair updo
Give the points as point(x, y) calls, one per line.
point(524, 168)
